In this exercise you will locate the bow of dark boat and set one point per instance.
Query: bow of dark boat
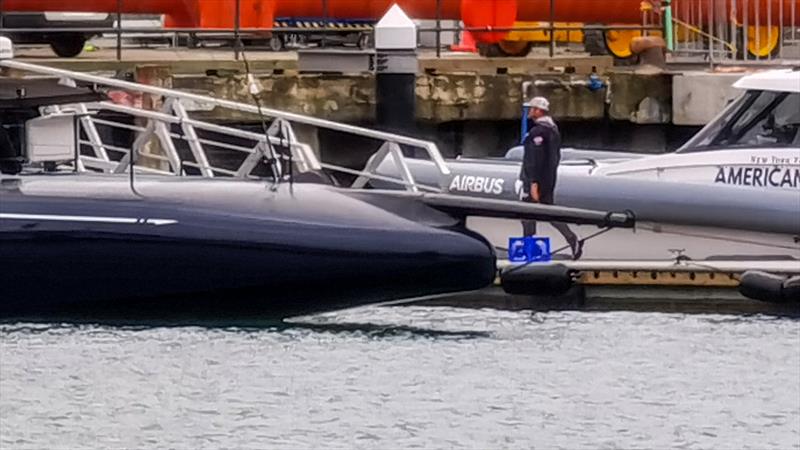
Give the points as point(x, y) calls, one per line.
point(89, 245)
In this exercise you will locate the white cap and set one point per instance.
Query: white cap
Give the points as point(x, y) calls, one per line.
point(539, 103)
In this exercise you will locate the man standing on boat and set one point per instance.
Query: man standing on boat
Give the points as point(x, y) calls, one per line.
point(540, 169)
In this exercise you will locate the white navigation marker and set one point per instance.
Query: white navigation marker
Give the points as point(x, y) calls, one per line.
point(6, 48)
point(395, 31)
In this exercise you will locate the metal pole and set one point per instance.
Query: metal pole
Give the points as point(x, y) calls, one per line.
point(781, 30)
point(757, 25)
point(693, 22)
point(552, 25)
point(119, 30)
point(76, 141)
point(745, 31)
point(769, 27)
point(678, 14)
point(438, 28)
point(732, 19)
point(720, 12)
point(700, 23)
point(712, 45)
point(668, 31)
point(237, 23)
point(323, 43)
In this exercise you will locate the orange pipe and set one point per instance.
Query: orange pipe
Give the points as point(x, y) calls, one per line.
point(621, 11)
point(528, 10)
point(222, 13)
point(475, 13)
point(261, 13)
point(365, 9)
point(587, 11)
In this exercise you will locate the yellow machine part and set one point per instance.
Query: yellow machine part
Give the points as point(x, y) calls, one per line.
point(618, 42)
point(762, 41)
point(572, 36)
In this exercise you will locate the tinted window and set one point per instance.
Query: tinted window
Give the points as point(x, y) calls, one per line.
point(758, 119)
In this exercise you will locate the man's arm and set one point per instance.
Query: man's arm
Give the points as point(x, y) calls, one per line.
point(535, 192)
point(527, 163)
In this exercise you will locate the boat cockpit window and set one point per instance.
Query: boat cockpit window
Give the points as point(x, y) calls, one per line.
point(757, 119)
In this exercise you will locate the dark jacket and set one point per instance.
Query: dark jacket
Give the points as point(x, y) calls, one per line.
point(541, 159)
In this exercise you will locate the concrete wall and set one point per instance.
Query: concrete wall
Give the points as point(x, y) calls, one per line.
point(343, 98)
point(440, 98)
point(640, 97)
point(453, 88)
point(630, 97)
point(697, 97)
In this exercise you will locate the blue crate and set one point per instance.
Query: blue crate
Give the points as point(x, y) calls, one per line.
point(529, 249)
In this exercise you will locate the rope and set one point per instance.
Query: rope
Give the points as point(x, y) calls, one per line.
point(272, 161)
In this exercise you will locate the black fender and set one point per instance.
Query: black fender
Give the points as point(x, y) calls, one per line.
point(767, 287)
point(532, 279)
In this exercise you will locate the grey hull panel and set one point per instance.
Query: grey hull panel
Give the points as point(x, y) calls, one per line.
point(712, 206)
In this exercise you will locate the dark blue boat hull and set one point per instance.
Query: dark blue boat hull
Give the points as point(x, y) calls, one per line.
point(222, 249)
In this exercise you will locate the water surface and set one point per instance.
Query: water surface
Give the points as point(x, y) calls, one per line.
point(408, 377)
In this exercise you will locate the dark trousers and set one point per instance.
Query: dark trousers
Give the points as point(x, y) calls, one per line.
point(529, 226)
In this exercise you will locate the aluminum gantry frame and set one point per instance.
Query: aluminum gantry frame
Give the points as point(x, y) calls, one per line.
point(159, 131)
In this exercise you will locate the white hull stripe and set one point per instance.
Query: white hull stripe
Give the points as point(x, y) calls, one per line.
point(90, 219)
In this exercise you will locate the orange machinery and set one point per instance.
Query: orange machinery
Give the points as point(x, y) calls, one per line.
point(181, 11)
point(474, 13)
point(213, 14)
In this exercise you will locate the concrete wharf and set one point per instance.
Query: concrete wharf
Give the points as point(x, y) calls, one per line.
point(702, 287)
point(454, 87)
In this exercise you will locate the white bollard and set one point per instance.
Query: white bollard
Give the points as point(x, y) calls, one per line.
point(396, 71)
point(6, 48)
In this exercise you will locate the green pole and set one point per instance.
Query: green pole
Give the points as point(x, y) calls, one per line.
point(669, 36)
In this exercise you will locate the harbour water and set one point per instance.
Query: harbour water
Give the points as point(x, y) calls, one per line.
point(405, 377)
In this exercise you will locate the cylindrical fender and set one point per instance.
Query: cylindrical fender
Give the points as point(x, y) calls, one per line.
point(767, 287)
point(791, 290)
point(534, 279)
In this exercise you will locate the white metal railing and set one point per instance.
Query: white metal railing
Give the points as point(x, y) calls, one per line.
point(176, 144)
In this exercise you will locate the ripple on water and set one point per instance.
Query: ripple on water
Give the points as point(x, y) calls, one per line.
point(406, 377)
